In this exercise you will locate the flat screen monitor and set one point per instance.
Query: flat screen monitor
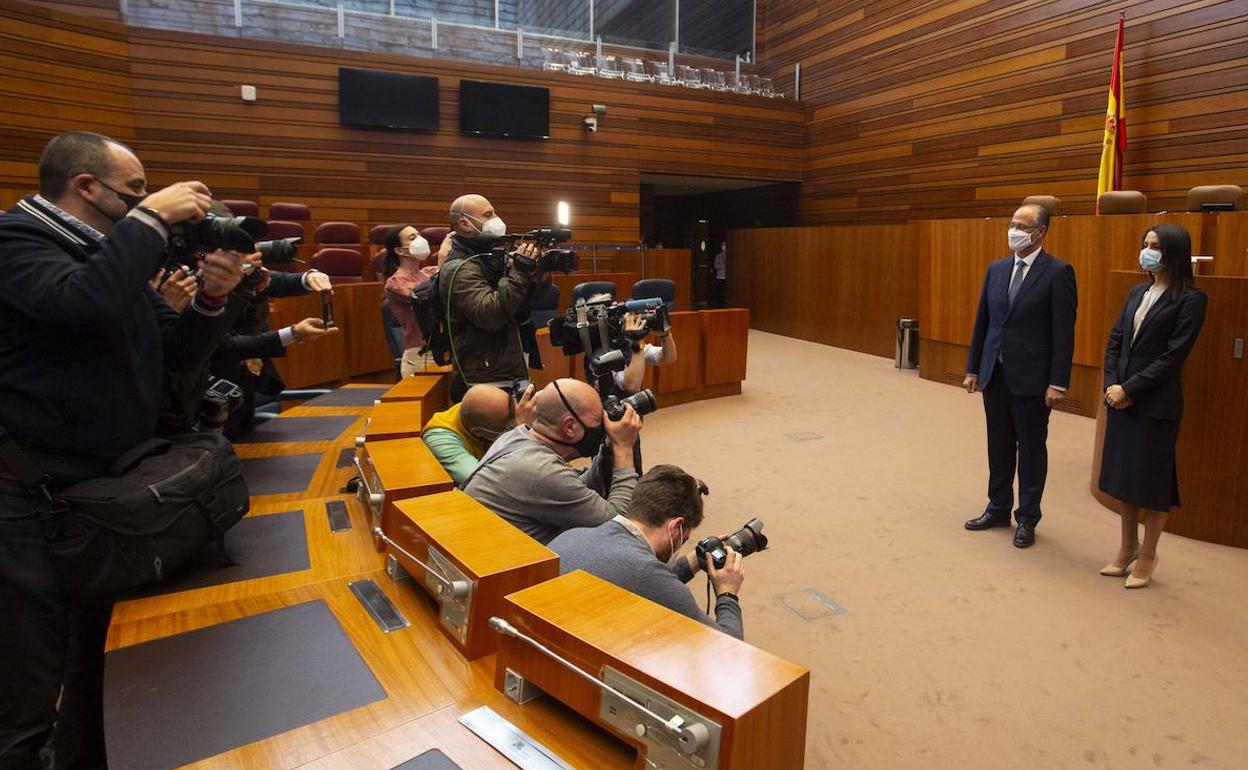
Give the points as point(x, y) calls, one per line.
point(495, 109)
point(387, 100)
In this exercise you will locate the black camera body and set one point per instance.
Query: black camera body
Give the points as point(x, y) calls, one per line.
point(220, 398)
point(745, 541)
point(642, 402)
point(518, 387)
point(552, 260)
point(187, 240)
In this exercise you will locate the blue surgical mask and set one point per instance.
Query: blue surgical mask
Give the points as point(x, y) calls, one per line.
point(1150, 260)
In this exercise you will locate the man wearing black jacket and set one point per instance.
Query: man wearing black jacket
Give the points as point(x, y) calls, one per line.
point(484, 298)
point(84, 345)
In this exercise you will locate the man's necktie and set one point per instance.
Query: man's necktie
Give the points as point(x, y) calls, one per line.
point(1020, 269)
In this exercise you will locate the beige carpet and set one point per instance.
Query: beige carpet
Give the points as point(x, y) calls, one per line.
point(955, 649)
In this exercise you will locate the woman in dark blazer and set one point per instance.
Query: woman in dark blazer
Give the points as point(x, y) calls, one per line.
point(1144, 358)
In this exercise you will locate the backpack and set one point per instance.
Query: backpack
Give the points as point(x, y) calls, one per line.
point(431, 317)
point(161, 504)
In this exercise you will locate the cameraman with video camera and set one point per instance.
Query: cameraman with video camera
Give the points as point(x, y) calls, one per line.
point(640, 354)
point(484, 292)
point(85, 343)
point(637, 551)
point(525, 476)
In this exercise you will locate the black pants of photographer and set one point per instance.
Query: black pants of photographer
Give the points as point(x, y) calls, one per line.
point(54, 651)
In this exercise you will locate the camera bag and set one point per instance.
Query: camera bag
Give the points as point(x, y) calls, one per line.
point(162, 502)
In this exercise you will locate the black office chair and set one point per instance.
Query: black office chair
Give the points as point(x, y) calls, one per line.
point(657, 288)
point(590, 288)
point(544, 305)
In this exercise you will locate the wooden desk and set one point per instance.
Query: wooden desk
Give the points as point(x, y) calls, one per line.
point(761, 712)
point(492, 555)
point(1212, 452)
point(396, 470)
point(393, 419)
point(432, 390)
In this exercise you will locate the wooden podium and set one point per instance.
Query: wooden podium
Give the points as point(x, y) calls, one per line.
point(391, 420)
point(396, 470)
point(724, 704)
point(483, 556)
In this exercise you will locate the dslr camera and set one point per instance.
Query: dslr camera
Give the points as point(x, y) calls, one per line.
point(552, 259)
point(187, 240)
point(221, 398)
point(642, 402)
point(744, 541)
point(518, 387)
point(597, 329)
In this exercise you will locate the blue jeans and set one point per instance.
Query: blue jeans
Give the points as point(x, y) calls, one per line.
point(55, 650)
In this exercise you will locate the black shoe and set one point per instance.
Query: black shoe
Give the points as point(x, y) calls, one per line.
point(987, 521)
point(1025, 536)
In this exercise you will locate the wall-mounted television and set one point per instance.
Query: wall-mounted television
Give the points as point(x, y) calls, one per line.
point(496, 109)
point(387, 100)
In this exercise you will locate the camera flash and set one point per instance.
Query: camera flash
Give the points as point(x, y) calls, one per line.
point(249, 93)
point(563, 214)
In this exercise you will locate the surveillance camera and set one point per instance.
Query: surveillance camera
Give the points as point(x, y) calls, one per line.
point(600, 110)
point(591, 124)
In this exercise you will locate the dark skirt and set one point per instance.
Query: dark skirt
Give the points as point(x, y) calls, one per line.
point(1137, 463)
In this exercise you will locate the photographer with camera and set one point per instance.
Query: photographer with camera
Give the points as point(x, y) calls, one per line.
point(85, 343)
point(460, 436)
point(484, 291)
point(637, 550)
point(525, 476)
point(641, 354)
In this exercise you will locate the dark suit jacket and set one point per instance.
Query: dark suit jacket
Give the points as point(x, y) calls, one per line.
point(1149, 368)
point(1036, 336)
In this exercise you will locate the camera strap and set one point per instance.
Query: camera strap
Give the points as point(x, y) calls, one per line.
point(582, 326)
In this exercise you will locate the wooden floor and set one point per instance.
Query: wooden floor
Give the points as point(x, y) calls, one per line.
point(428, 683)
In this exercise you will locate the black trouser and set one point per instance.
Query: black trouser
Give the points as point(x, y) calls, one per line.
point(719, 292)
point(54, 648)
point(1018, 431)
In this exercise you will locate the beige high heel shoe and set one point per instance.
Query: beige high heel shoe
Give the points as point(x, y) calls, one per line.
point(1142, 582)
point(1113, 570)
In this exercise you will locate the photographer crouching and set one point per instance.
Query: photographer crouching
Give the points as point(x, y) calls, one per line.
point(85, 343)
point(637, 550)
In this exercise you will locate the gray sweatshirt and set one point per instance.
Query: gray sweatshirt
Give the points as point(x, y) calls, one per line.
point(614, 554)
point(531, 486)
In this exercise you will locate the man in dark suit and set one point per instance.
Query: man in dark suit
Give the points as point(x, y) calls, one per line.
point(1020, 358)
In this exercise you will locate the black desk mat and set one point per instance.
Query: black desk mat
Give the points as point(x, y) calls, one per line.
point(272, 544)
point(194, 695)
point(279, 429)
point(280, 475)
point(349, 397)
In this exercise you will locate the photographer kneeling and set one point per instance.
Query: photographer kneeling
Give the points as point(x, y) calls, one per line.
point(637, 551)
point(460, 436)
point(525, 476)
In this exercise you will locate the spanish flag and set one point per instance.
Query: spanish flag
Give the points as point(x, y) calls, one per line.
point(1115, 141)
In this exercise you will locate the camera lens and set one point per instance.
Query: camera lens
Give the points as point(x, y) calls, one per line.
point(643, 402)
point(282, 251)
point(749, 539)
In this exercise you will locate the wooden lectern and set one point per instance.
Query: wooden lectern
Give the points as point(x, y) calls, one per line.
point(391, 420)
point(396, 470)
point(685, 694)
point(472, 550)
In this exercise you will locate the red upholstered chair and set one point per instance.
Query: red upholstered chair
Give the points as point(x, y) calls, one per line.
point(243, 208)
point(280, 228)
point(377, 234)
point(341, 265)
point(435, 236)
point(346, 234)
point(295, 211)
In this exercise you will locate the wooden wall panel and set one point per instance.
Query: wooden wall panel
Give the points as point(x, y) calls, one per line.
point(1230, 245)
point(842, 286)
point(956, 109)
point(674, 265)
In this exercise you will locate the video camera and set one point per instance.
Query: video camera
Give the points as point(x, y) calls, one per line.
point(552, 260)
point(597, 329)
point(744, 541)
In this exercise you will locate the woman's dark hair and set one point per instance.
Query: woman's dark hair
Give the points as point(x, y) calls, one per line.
point(1176, 258)
point(390, 256)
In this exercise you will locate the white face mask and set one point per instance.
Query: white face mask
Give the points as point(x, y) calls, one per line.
point(1019, 239)
point(418, 248)
point(494, 226)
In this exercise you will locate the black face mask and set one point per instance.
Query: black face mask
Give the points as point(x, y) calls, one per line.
point(127, 199)
point(588, 444)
